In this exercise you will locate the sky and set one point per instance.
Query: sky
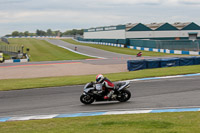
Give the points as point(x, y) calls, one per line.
point(30, 15)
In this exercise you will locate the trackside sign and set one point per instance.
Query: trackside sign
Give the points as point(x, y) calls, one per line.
point(119, 27)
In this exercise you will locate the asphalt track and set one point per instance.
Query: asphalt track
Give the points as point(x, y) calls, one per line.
point(149, 94)
point(88, 50)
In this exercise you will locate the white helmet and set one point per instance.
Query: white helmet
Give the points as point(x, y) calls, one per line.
point(99, 78)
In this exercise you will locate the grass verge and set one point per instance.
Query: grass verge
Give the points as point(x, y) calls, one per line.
point(41, 50)
point(184, 122)
point(119, 50)
point(13, 84)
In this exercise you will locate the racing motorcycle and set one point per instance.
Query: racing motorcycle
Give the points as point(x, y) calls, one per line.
point(93, 92)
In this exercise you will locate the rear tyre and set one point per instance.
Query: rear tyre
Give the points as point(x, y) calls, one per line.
point(124, 96)
point(86, 99)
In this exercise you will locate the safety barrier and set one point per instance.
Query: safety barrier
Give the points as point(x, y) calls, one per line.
point(165, 50)
point(17, 60)
point(145, 49)
point(102, 43)
point(33, 37)
point(134, 65)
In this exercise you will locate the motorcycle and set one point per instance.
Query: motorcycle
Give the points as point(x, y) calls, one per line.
point(93, 92)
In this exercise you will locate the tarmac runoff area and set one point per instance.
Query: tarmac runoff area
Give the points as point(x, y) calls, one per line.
point(59, 69)
point(65, 68)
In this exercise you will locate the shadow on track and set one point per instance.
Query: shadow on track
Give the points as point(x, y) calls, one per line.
point(105, 103)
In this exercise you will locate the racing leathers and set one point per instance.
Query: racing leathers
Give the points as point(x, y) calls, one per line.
point(107, 85)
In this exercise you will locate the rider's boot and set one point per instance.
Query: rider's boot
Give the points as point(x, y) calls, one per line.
point(109, 95)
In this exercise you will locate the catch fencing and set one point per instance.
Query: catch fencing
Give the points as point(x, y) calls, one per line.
point(185, 45)
point(11, 50)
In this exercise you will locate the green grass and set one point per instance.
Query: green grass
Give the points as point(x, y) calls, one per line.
point(117, 49)
point(41, 50)
point(2, 43)
point(13, 84)
point(182, 122)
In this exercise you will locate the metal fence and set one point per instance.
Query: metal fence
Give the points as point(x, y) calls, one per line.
point(185, 45)
point(11, 50)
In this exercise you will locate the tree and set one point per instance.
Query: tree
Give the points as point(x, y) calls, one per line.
point(32, 34)
point(80, 32)
point(41, 33)
point(49, 32)
point(74, 32)
point(21, 34)
point(26, 33)
point(15, 33)
point(38, 32)
point(57, 33)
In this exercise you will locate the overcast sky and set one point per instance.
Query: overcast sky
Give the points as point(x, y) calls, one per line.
point(30, 15)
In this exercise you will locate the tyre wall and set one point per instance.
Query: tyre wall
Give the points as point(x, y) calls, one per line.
point(134, 65)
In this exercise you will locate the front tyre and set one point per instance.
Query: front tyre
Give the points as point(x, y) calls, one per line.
point(86, 99)
point(124, 96)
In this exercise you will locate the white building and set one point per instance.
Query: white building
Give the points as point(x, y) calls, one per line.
point(153, 31)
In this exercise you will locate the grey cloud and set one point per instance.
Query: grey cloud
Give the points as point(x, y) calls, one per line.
point(68, 14)
point(11, 1)
point(190, 2)
point(8, 3)
point(66, 4)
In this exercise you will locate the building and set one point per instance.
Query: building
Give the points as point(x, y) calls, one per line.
point(122, 34)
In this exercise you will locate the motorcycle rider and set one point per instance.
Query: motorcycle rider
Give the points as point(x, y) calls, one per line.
point(106, 84)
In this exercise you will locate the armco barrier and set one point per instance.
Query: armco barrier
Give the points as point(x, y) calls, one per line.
point(134, 65)
point(16, 60)
point(102, 43)
point(165, 50)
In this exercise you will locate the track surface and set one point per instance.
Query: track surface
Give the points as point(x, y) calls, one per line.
point(163, 93)
point(88, 50)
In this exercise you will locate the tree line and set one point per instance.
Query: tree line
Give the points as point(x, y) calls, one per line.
point(49, 32)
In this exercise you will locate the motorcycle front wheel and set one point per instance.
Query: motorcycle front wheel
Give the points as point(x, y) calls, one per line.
point(86, 99)
point(124, 96)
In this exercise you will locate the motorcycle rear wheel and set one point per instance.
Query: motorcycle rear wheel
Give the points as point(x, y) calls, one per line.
point(87, 99)
point(125, 95)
